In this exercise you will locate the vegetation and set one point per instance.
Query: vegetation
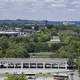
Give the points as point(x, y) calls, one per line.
point(16, 77)
point(40, 41)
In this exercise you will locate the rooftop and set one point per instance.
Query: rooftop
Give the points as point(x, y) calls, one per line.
point(32, 60)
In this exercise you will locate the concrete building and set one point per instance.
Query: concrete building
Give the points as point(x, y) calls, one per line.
point(34, 66)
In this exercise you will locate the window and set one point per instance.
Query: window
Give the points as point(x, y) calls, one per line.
point(47, 65)
point(55, 65)
point(62, 65)
point(10, 65)
point(39, 65)
point(3, 65)
point(32, 65)
point(25, 65)
point(18, 65)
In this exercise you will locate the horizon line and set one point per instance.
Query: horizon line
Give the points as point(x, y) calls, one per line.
point(40, 20)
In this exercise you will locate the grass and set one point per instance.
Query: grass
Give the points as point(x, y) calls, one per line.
point(41, 54)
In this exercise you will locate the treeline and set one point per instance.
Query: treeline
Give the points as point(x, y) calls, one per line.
point(71, 45)
point(21, 46)
point(39, 41)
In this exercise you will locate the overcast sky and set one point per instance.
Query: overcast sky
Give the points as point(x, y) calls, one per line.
point(40, 9)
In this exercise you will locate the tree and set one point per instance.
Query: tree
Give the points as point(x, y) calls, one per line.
point(4, 44)
point(17, 51)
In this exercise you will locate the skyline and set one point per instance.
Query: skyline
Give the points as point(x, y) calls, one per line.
point(52, 10)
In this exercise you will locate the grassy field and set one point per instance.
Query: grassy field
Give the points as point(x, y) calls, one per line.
point(41, 54)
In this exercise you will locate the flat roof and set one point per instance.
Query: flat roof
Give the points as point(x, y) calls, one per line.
point(8, 32)
point(33, 60)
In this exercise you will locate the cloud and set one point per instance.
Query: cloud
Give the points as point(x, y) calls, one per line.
point(56, 1)
point(38, 9)
point(58, 5)
point(75, 2)
point(71, 9)
point(18, 0)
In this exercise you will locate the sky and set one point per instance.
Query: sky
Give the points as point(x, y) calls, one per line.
point(59, 10)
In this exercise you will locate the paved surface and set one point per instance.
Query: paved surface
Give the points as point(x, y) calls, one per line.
point(75, 77)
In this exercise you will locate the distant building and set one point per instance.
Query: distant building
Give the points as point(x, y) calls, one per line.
point(55, 39)
point(69, 23)
point(16, 32)
point(9, 33)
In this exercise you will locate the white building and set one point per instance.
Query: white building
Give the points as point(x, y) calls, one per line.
point(34, 66)
point(55, 39)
